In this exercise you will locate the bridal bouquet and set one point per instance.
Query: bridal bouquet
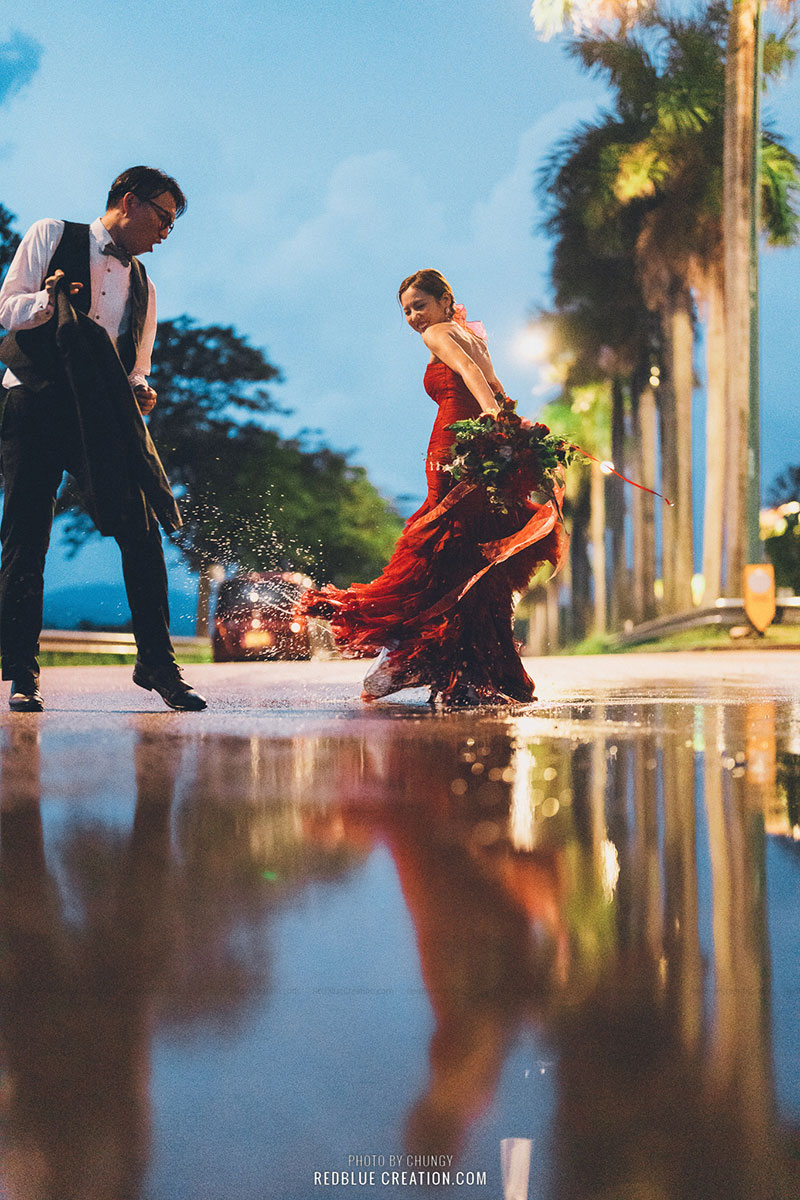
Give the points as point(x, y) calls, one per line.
point(508, 457)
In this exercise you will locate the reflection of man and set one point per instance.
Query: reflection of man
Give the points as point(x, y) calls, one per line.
point(69, 414)
point(79, 991)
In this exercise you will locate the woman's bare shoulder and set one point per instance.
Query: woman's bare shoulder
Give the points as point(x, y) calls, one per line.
point(447, 331)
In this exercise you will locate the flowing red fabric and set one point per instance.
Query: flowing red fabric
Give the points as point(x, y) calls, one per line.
point(444, 604)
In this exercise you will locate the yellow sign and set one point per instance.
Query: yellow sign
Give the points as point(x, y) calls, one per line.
point(759, 594)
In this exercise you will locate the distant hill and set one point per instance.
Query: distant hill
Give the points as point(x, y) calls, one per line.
point(104, 604)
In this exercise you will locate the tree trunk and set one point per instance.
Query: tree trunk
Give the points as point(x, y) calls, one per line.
point(615, 511)
point(207, 574)
point(676, 453)
point(580, 571)
point(736, 218)
point(551, 618)
point(669, 475)
point(643, 504)
point(597, 528)
point(717, 446)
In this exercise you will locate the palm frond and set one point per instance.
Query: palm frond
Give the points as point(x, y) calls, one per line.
point(780, 193)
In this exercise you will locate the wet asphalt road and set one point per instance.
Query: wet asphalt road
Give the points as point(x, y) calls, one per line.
point(248, 699)
point(298, 947)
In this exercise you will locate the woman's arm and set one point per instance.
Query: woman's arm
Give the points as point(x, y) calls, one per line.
point(441, 343)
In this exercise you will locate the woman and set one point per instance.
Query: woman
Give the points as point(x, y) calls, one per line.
point(440, 615)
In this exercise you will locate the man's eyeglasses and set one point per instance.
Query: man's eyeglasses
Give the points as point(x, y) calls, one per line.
point(166, 218)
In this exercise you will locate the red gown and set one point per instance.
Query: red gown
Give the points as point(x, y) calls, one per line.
point(444, 604)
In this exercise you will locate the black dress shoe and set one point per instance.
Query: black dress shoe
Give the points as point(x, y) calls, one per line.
point(25, 695)
point(170, 685)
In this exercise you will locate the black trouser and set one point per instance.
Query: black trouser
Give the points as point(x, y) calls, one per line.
point(40, 441)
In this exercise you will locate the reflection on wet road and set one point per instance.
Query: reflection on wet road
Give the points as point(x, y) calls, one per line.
point(243, 967)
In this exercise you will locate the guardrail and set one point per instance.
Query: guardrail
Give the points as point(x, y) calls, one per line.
point(100, 641)
point(725, 613)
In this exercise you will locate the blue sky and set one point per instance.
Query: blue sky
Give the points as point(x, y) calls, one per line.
point(327, 150)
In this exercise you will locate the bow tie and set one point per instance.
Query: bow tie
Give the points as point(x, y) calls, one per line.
point(117, 252)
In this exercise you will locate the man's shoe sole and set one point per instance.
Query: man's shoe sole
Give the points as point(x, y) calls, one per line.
point(26, 704)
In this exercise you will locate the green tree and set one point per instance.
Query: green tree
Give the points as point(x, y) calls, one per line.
point(780, 529)
point(9, 239)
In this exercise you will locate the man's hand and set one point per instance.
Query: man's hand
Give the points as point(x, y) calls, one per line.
point(145, 398)
point(52, 280)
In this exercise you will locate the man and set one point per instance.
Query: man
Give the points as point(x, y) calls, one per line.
point(77, 303)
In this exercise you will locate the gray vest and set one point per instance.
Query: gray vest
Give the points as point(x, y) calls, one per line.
point(31, 353)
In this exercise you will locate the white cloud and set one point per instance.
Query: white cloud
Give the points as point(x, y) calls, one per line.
point(325, 304)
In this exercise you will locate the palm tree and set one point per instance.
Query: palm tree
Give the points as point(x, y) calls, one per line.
point(681, 247)
point(736, 284)
point(599, 306)
point(662, 158)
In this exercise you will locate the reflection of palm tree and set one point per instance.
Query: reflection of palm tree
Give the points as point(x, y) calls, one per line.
point(644, 1108)
point(77, 1005)
point(739, 1060)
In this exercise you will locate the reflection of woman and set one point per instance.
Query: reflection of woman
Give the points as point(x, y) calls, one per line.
point(487, 961)
point(488, 920)
point(440, 615)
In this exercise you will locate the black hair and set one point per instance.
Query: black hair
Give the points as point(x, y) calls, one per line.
point(145, 183)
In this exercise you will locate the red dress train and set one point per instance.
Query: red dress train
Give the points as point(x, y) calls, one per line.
point(443, 606)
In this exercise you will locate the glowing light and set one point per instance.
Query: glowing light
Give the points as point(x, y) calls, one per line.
point(522, 822)
point(607, 467)
point(532, 344)
point(609, 867)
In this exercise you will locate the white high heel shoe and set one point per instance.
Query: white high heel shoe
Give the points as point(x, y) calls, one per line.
point(381, 680)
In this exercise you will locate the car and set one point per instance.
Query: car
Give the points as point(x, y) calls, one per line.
point(258, 616)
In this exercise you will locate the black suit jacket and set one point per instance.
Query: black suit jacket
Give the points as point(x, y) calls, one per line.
point(126, 481)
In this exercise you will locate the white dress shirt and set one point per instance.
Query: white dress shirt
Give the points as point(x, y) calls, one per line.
point(24, 303)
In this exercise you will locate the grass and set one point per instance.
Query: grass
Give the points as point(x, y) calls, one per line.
point(61, 658)
point(708, 638)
